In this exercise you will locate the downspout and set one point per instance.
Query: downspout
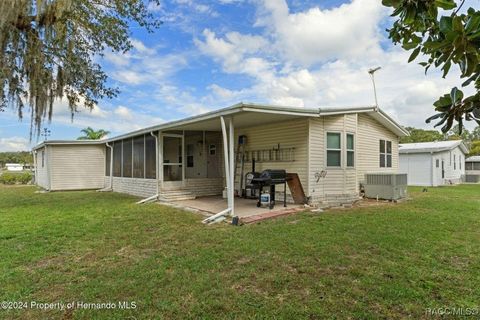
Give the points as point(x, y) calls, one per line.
point(155, 197)
point(111, 165)
point(156, 162)
point(34, 153)
point(432, 169)
point(49, 169)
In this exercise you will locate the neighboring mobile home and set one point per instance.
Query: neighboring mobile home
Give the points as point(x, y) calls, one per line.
point(14, 166)
point(433, 163)
point(472, 169)
point(329, 149)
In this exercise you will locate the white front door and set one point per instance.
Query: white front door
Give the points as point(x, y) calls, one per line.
point(438, 171)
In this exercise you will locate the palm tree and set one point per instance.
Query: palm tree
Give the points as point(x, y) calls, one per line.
point(90, 134)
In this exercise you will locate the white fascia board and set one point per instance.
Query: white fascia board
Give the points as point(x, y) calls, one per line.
point(282, 112)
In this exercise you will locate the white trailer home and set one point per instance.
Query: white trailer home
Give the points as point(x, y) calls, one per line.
point(472, 169)
point(14, 167)
point(433, 163)
point(330, 150)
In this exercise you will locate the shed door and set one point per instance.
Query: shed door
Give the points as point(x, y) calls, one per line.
point(438, 171)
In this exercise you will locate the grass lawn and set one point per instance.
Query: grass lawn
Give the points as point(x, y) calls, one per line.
point(391, 261)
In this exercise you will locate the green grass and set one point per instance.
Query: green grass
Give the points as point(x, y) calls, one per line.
point(390, 261)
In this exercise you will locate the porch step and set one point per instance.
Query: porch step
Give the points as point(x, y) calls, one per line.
point(176, 195)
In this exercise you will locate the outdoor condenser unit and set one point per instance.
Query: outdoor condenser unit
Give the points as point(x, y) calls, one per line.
point(389, 186)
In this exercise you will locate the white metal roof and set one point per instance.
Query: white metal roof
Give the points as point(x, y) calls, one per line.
point(432, 147)
point(473, 159)
point(247, 114)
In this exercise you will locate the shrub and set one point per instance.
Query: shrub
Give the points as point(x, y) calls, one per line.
point(16, 178)
point(25, 177)
point(8, 178)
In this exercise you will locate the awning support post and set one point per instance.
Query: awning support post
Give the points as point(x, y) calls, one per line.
point(226, 158)
point(232, 167)
point(228, 155)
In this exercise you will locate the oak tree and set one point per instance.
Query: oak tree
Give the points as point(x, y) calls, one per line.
point(48, 50)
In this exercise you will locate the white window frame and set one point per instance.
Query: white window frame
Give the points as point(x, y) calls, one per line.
point(350, 150)
point(330, 149)
point(385, 154)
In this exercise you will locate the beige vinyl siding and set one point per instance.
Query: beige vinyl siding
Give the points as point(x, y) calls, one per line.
point(41, 172)
point(339, 181)
point(370, 132)
point(216, 138)
point(288, 134)
point(76, 167)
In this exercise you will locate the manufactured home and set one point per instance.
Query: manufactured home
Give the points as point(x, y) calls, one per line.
point(433, 163)
point(329, 151)
point(472, 169)
point(14, 167)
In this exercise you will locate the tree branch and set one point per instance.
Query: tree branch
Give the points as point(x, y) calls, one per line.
point(459, 7)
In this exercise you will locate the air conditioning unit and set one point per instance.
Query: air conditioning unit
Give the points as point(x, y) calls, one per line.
point(389, 186)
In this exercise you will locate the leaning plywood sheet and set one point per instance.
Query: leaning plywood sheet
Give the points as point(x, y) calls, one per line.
point(296, 188)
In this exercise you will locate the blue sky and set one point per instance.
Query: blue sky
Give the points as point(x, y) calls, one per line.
point(212, 54)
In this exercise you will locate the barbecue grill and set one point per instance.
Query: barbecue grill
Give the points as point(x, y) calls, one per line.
point(249, 185)
point(270, 178)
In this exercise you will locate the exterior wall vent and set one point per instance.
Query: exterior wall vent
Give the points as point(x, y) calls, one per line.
point(389, 186)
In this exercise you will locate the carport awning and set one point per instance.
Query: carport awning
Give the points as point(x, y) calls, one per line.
point(247, 115)
point(242, 119)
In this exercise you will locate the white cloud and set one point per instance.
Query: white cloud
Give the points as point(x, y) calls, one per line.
point(230, 1)
point(124, 113)
point(154, 7)
point(141, 48)
point(116, 119)
point(198, 7)
point(117, 59)
point(318, 58)
point(130, 76)
point(14, 144)
point(223, 93)
point(315, 35)
point(234, 52)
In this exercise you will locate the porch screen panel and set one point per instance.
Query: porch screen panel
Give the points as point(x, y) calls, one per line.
point(108, 156)
point(127, 158)
point(139, 157)
point(150, 157)
point(117, 159)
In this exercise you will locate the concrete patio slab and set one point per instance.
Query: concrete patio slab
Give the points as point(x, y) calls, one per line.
point(243, 207)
